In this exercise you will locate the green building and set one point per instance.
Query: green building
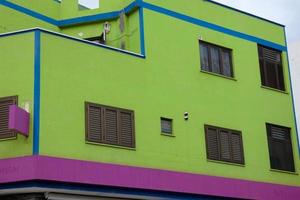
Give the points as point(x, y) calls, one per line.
point(132, 99)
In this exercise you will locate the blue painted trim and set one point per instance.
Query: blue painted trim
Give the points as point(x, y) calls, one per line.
point(213, 26)
point(243, 12)
point(36, 105)
point(29, 12)
point(106, 189)
point(75, 39)
point(90, 18)
point(131, 7)
point(93, 44)
point(142, 33)
point(140, 3)
point(71, 21)
point(292, 94)
point(16, 33)
point(98, 17)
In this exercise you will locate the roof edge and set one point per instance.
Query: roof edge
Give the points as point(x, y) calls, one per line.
point(244, 12)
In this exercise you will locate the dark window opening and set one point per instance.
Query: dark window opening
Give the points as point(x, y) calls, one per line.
point(216, 59)
point(109, 125)
point(224, 144)
point(166, 125)
point(98, 39)
point(271, 70)
point(280, 148)
point(5, 102)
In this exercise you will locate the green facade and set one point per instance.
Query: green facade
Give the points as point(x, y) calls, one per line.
point(166, 83)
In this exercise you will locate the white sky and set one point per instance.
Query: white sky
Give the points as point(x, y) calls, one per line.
point(92, 4)
point(286, 12)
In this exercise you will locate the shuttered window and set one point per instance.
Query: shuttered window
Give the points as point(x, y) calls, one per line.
point(109, 125)
point(271, 71)
point(224, 144)
point(216, 59)
point(4, 115)
point(280, 148)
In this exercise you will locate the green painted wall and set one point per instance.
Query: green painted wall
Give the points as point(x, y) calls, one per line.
point(69, 9)
point(131, 34)
point(16, 78)
point(165, 84)
point(48, 8)
point(219, 15)
point(11, 20)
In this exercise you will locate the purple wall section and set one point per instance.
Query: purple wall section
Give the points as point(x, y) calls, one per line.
point(76, 171)
point(17, 169)
point(18, 120)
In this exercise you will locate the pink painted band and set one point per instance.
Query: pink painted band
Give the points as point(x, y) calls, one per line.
point(18, 120)
point(85, 172)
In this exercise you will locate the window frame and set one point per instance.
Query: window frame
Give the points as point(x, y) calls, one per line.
point(170, 133)
point(220, 50)
point(230, 132)
point(9, 134)
point(118, 121)
point(279, 70)
point(286, 142)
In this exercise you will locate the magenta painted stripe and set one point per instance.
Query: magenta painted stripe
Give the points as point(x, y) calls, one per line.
point(18, 120)
point(76, 171)
point(17, 169)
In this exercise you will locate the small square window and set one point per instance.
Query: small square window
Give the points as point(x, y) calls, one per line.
point(166, 125)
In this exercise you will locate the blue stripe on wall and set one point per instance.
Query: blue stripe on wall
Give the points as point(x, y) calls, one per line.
point(36, 105)
point(142, 33)
point(29, 12)
point(73, 38)
point(130, 7)
point(98, 17)
point(91, 18)
point(140, 3)
point(213, 26)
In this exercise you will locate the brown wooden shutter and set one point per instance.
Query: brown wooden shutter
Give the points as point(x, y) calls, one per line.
point(95, 123)
point(271, 55)
point(237, 148)
point(224, 144)
point(271, 68)
point(4, 116)
point(224, 139)
point(126, 129)
point(212, 145)
point(280, 148)
point(111, 126)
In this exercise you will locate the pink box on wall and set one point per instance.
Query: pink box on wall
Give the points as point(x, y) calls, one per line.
point(18, 120)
